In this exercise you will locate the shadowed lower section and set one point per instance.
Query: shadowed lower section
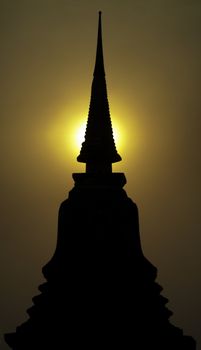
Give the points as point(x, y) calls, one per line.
point(100, 290)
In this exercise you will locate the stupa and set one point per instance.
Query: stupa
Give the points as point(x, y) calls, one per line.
point(100, 290)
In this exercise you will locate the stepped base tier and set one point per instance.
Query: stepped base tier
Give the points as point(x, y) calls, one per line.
point(100, 291)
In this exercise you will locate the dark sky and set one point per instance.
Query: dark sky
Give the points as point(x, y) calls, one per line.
point(152, 52)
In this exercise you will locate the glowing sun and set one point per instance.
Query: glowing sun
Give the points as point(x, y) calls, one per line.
point(79, 135)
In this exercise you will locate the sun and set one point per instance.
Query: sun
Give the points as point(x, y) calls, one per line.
point(79, 135)
point(66, 135)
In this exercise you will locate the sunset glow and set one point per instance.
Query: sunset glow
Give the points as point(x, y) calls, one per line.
point(66, 135)
point(80, 135)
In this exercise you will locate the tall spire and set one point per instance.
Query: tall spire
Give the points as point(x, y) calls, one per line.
point(98, 150)
point(99, 64)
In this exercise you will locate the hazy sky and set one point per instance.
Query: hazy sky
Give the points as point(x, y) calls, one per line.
point(152, 52)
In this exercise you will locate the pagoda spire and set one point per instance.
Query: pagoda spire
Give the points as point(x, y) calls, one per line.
point(98, 150)
point(99, 64)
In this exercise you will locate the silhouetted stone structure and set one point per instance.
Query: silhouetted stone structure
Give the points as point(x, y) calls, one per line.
point(100, 291)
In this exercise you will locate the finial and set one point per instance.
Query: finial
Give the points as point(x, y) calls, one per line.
point(99, 65)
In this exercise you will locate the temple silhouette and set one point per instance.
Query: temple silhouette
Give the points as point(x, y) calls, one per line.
point(100, 290)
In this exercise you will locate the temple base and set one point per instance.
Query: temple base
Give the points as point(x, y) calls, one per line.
point(100, 290)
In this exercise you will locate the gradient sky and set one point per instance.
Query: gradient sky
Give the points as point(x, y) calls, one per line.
point(152, 51)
